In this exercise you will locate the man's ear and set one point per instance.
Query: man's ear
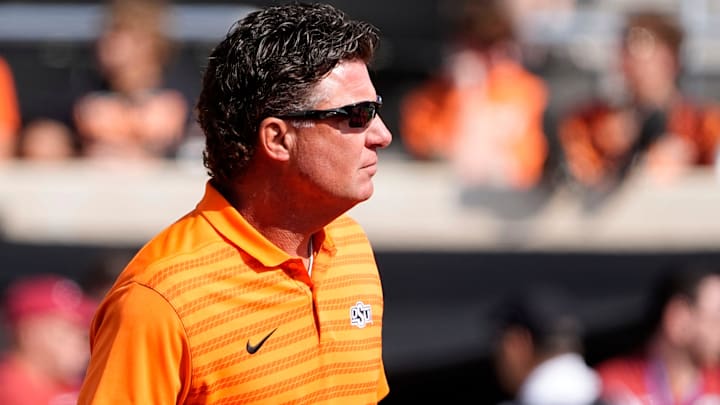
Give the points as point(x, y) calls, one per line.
point(275, 138)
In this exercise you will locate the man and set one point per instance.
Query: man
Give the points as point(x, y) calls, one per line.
point(484, 111)
point(656, 125)
point(538, 350)
point(266, 293)
point(680, 362)
point(48, 318)
point(136, 115)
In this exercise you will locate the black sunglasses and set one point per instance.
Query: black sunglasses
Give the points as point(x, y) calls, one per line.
point(358, 114)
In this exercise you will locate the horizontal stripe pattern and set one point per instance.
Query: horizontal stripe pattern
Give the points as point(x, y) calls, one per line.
point(284, 341)
point(351, 280)
point(290, 384)
point(225, 299)
point(223, 253)
point(337, 392)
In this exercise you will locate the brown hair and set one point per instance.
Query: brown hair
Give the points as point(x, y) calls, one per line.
point(483, 24)
point(268, 65)
point(662, 27)
point(149, 17)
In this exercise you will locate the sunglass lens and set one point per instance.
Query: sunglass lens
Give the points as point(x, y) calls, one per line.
point(362, 114)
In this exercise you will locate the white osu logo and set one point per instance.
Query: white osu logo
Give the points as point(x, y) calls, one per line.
point(360, 315)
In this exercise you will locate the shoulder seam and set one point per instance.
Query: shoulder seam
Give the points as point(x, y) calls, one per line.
point(182, 324)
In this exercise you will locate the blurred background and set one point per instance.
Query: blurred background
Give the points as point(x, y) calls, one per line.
point(552, 142)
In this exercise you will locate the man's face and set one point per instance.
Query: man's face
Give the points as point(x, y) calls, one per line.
point(335, 162)
point(705, 318)
point(647, 64)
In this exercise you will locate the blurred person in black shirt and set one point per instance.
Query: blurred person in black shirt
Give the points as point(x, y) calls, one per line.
point(539, 351)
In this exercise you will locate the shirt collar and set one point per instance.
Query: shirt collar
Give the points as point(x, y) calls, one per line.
point(228, 222)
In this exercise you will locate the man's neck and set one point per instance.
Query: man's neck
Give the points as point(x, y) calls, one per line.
point(287, 223)
point(661, 97)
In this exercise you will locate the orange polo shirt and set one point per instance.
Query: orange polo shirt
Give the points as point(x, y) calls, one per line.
point(211, 312)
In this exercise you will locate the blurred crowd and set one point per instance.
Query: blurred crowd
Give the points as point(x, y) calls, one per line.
point(488, 115)
point(484, 113)
point(538, 340)
point(674, 358)
point(131, 114)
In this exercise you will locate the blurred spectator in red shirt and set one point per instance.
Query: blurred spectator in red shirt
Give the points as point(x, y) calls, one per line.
point(484, 111)
point(680, 362)
point(9, 111)
point(137, 116)
point(48, 318)
point(655, 124)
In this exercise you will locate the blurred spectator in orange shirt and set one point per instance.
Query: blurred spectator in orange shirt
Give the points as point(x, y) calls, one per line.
point(137, 117)
point(9, 111)
point(484, 112)
point(48, 318)
point(656, 125)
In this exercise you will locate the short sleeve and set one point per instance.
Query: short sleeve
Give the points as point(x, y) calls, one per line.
point(139, 351)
